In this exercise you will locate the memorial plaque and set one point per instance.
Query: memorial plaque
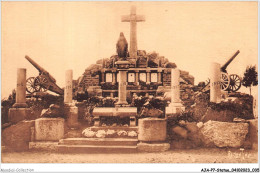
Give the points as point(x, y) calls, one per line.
point(154, 77)
point(109, 77)
point(143, 77)
point(131, 77)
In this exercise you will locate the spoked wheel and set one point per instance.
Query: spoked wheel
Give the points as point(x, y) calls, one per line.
point(235, 82)
point(41, 84)
point(30, 87)
point(225, 81)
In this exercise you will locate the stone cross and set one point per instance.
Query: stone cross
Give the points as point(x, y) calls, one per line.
point(133, 18)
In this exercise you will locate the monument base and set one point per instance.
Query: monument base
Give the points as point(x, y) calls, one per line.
point(71, 113)
point(152, 130)
point(174, 108)
point(49, 129)
point(18, 114)
point(20, 105)
point(121, 103)
point(153, 147)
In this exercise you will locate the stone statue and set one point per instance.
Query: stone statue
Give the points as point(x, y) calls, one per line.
point(122, 46)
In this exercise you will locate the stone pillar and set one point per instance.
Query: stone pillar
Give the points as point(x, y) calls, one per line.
point(122, 68)
point(159, 76)
point(113, 78)
point(215, 83)
point(19, 111)
point(68, 86)
point(102, 76)
point(175, 105)
point(148, 77)
point(175, 85)
point(136, 77)
point(21, 89)
point(122, 87)
point(71, 111)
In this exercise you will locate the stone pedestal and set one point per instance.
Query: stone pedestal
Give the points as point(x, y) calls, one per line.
point(19, 111)
point(175, 105)
point(152, 129)
point(21, 89)
point(152, 135)
point(215, 83)
point(18, 114)
point(71, 113)
point(49, 129)
point(122, 68)
point(68, 86)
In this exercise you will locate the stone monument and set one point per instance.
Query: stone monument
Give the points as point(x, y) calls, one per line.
point(71, 111)
point(215, 83)
point(133, 19)
point(175, 106)
point(122, 67)
point(19, 111)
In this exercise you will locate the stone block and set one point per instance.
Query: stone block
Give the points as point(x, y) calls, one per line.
point(180, 131)
point(174, 108)
point(18, 114)
point(49, 129)
point(18, 136)
point(43, 146)
point(152, 129)
point(71, 113)
point(253, 133)
point(147, 147)
point(224, 134)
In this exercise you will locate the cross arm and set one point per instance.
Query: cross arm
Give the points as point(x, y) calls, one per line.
point(125, 18)
point(140, 18)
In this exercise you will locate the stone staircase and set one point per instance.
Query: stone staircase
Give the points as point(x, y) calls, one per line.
point(96, 145)
point(75, 142)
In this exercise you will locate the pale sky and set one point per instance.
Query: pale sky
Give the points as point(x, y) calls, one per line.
point(73, 35)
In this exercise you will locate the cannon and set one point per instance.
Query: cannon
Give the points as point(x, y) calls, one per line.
point(230, 82)
point(43, 82)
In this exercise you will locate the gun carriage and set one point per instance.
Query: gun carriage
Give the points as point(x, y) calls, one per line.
point(43, 82)
point(230, 82)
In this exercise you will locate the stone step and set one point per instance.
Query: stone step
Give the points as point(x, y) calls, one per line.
point(96, 128)
point(99, 141)
point(95, 149)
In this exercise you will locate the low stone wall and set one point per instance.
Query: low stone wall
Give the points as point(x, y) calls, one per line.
point(18, 136)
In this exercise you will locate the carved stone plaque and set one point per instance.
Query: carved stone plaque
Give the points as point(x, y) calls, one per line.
point(143, 77)
point(131, 77)
point(109, 77)
point(154, 77)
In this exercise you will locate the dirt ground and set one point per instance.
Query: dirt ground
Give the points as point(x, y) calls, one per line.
point(202, 155)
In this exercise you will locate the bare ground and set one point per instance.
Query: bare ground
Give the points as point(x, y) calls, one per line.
point(202, 155)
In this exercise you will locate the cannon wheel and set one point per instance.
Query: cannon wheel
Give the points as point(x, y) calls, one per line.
point(235, 82)
point(30, 87)
point(40, 84)
point(225, 81)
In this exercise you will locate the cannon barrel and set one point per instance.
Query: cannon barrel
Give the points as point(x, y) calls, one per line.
point(224, 67)
point(39, 68)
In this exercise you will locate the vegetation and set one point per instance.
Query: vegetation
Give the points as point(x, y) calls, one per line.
point(250, 77)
